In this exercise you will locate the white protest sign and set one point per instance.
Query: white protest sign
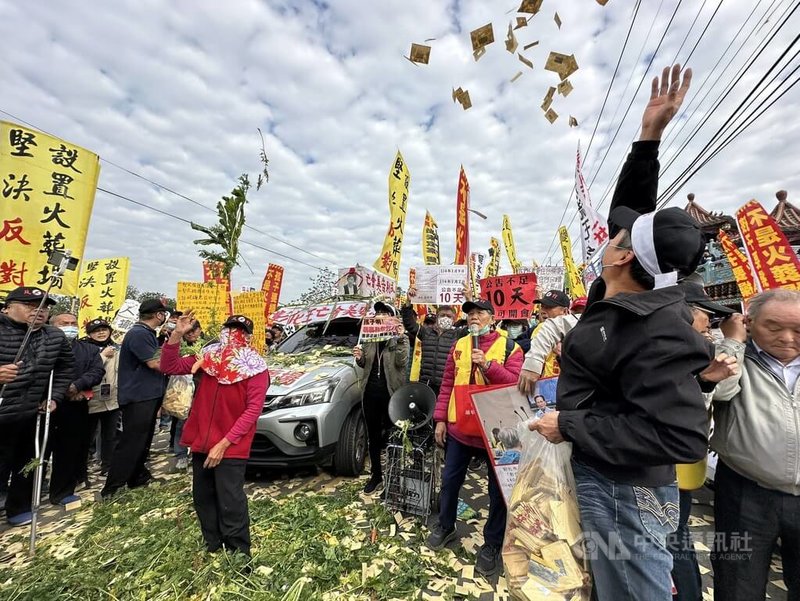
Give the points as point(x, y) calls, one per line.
point(439, 285)
point(125, 318)
point(550, 277)
point(378, 329)
point(300, 316)
point(362, 281)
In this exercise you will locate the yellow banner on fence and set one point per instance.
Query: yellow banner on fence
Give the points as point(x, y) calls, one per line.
point(101, 288)
point(252, 304)
point(48, 188)
point(208, 300)
point(574, 281)
point(388, 262)
point(511, 251)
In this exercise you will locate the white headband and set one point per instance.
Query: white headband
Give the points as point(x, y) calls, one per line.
point(644, 248)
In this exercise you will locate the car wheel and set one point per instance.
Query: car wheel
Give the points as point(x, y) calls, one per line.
point(351, 449)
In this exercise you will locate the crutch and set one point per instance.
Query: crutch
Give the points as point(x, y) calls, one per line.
point(39, 473)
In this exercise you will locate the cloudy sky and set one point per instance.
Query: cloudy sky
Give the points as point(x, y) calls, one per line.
point(175, 92)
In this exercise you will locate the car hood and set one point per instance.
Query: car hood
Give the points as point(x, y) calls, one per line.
point(286, 379)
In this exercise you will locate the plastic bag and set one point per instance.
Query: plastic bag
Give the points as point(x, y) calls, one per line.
point(179, 395)
point(543, 546)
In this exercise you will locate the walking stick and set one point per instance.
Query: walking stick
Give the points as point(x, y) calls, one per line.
point(39, 473)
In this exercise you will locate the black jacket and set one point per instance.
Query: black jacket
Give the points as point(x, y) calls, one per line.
point(89, 370)
point(48, 350)
point(435, 346)
point(627, 391)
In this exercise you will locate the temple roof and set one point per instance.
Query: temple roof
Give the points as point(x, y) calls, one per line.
point(785, 213)
point(710, 221)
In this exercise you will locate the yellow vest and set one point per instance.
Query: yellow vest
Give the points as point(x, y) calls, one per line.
point(462, 357)
point(551, 367)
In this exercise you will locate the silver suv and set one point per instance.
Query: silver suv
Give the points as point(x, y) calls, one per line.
point(312, 413)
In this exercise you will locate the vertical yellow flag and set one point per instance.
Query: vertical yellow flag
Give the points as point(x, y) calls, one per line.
point(576, 287)
point(511, 251)
point(430, 241)
point(101, 288)
point(48, 188)
point(494, 258)
point(399, 182)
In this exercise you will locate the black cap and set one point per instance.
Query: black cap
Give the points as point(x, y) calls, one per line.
point(696, 295)
point(385, 308)
point(239, 321)
point(174, 312)
point(28, 294)
point(153, 305)
point(554, 298)
point(97, 324)
point(482, 304)
point(669, 243)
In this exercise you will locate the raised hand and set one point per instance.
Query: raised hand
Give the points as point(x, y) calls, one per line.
point(666, 97)
point(185, 323)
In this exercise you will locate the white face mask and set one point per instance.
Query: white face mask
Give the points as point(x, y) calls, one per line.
point(170, 325)
point(444, 323)
point(71, 332)
point(514, 331)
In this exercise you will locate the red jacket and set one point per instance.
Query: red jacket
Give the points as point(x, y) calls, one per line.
point(218, 410)
point(507, 373)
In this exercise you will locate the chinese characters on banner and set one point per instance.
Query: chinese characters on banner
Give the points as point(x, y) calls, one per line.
point(511, 296)
point(399, 182)
point(462, 219)
point(209, 301)
point(494, 258)
point(739, 265)
point(774, 263)
point(511, 251)
point(300, 316)
point(439, 285)
point(48, 188)
point(594, 228)
point(576, 288)
point(212, 272)
point(271, 287)
point(251, 304)
point(378, 329)
point(476, 262)
point(550, 277)
point(362, 281)
point(101, 288)
point(125, 319)
point(430, 241)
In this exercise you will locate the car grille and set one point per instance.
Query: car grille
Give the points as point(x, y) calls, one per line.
point(262, 448)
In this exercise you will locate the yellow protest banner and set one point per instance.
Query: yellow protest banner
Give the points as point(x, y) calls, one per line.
point(508, 240)
point(48, 188)
point(388, 262)
point(430, 241)
point(494, 258)
point(208, 300)
point(575, 283)
point(252, 304)
point(101, 288)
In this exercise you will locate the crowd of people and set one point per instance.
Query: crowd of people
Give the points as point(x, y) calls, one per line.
point(643, 364)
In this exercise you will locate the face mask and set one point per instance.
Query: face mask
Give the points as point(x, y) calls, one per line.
point(514, 331)
point(444, 323)
point(71, 332)
point(170, 325)
point(485, 330)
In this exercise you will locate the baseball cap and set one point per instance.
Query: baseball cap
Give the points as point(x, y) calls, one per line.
point(153, 305)
point(239, 321)
point(668, 243)
point(97, 324)
point(554, 298)
point(696, 295)
point(385, 308)
point(579, 303)
point(27, 294)
point(482, 304)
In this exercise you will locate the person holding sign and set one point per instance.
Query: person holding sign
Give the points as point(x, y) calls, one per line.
point(221, 425)
point(483, 358)
point(384, 368)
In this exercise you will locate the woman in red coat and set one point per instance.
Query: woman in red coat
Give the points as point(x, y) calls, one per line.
point(221, 425)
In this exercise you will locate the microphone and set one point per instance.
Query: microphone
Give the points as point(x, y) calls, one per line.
point(473, 331)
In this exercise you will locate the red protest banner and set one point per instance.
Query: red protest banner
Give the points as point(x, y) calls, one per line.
point(739, 265)
point(511, 295)
point(774, 263)
point(462, 220)
point(271, 286)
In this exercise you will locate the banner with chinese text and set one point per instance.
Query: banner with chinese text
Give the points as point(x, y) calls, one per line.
point(251, 304)
point(48, 192)
point(430, 241)
point(271, 287)
point(476, 262)
point(740, 266)
point(399, 182)
point(212, 272)
point(439, 285)
point(511, 296)
point(494, 258)
point(594, 227)
point(511, 250)
point(550, 277)
point(300, 316)
point(462, 219)
point(774, 263)
point(101, 288)
point(576, 288)
point(362, 281)
point(380, 328)
point(209, 301)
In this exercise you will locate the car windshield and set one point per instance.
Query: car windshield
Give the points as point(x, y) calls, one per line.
point(341, 333)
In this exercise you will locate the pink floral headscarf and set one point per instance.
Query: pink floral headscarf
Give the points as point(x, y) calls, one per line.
point(232, 359)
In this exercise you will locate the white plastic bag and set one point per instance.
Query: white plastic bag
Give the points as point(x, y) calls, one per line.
point(179, 395)
point(543, 545)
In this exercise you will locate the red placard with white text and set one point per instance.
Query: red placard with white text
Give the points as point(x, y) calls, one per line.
point(511, 296)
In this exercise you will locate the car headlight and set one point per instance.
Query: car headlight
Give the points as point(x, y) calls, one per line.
point(310, 394)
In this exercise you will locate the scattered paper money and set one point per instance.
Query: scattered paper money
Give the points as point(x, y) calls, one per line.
point(420, 54)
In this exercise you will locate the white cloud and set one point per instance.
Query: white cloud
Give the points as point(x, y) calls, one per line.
point(175, 92)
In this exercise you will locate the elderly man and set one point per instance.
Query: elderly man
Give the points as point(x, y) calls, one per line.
point(757, 437)
point(26, 389)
